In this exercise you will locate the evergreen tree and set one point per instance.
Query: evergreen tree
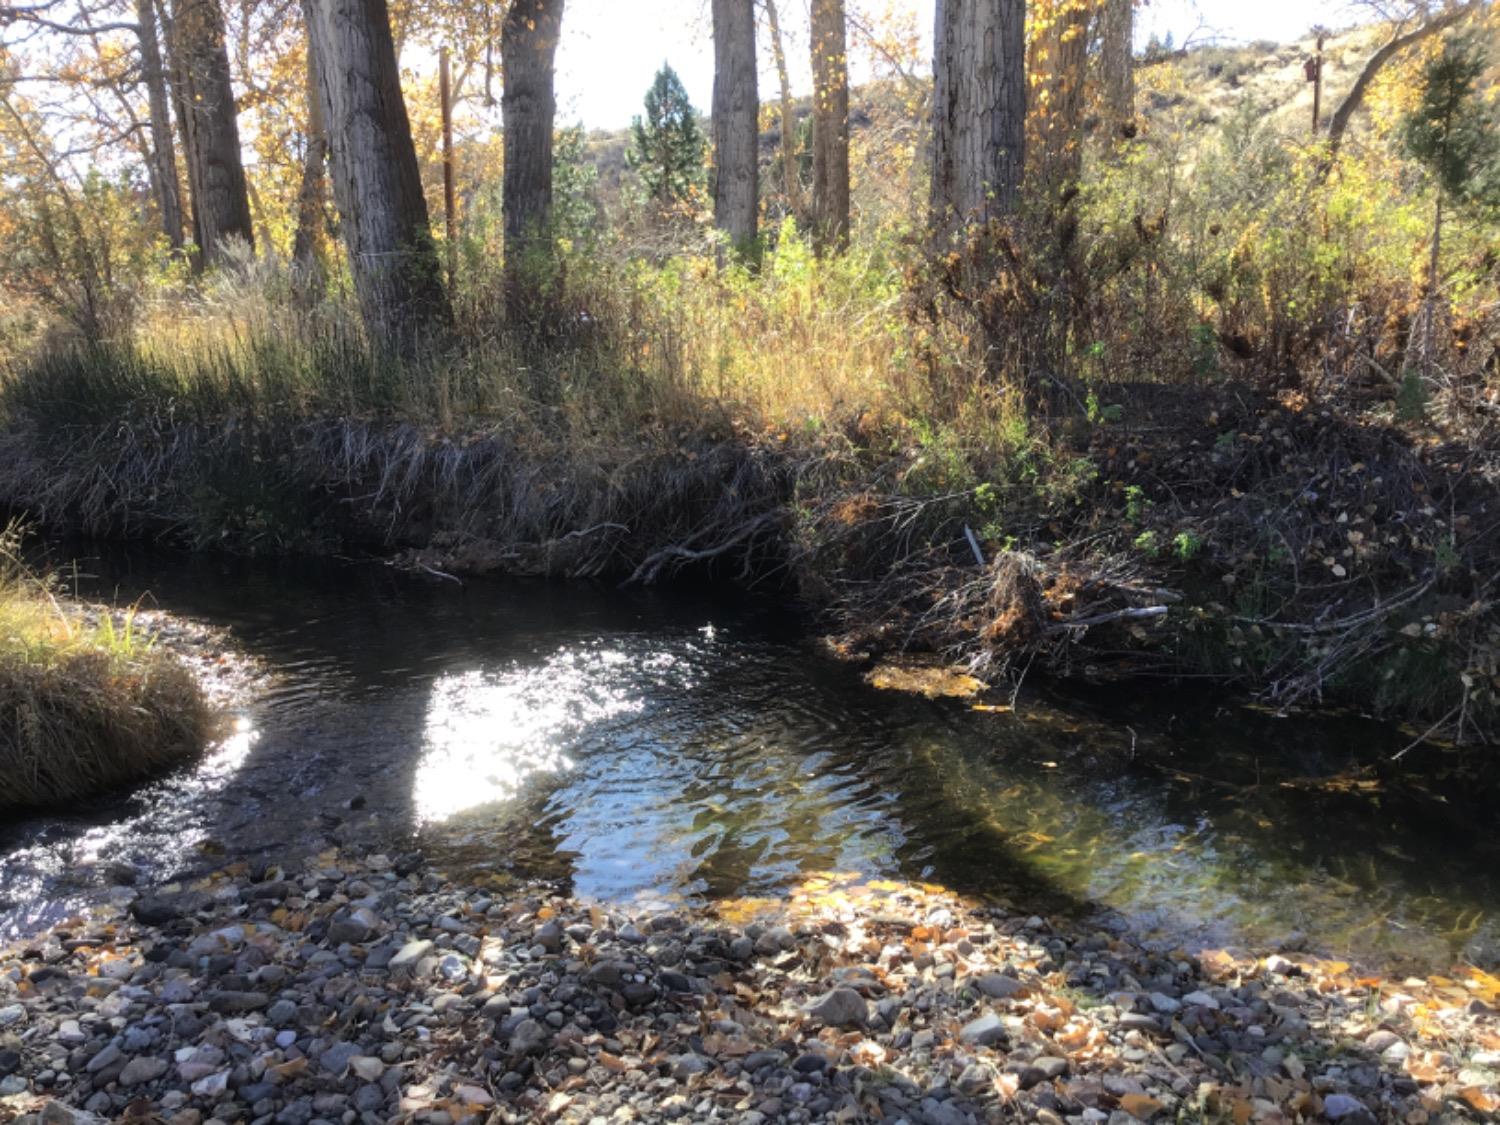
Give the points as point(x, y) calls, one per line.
point(667, 146)
point(1452, 132)
point(1455, 136)
point(575, 179)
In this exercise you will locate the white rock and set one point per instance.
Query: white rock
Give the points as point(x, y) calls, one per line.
point(367, 1067)
point(410, 953)
point(213, 1086)
point(70, 1033)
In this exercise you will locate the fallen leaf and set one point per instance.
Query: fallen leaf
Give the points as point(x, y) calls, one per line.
point(1139, 1106)
point(1480, 1099)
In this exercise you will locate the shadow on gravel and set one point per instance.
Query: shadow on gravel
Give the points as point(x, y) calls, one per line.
point(356, 990)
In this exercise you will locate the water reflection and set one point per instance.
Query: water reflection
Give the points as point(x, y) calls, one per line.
point(614, 742)
point(49, 871)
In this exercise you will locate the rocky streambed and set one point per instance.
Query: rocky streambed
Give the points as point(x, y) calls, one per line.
point(360, 988)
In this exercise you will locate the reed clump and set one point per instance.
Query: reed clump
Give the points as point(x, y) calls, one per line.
point(88, 702)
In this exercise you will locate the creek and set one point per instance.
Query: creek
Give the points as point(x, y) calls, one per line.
point(647, 746)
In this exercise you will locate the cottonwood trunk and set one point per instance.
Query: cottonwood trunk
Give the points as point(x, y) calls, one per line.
point(312, 196)
point(376, 182)
point(791, 174)
point(528, 49)
point(164, 183)
point(979, 110)
point(736, 110)
point(1058, 70)
point(1117, 61)
point(211, 135)
point(830, 66)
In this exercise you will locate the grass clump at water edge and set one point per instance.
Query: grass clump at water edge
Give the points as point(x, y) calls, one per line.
point(85, 705)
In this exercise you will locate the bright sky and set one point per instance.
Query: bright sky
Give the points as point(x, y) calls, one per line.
point(611, 49)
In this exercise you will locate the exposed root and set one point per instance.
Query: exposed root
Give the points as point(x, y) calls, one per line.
point(675, 557)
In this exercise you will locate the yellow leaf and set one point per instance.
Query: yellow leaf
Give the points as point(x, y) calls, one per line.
point(1489, 986)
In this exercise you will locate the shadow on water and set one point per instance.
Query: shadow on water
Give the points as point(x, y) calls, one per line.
point(646, 746)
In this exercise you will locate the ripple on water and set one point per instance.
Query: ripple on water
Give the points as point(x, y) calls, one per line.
point(611, 741)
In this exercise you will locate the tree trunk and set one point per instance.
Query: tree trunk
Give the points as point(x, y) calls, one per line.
point(830, 65)
point(163, 150)
point(376, 181)
point(528, 48)
point(1058, 66)
point(736, 112)
point(979, 110)
point(1434, 270)
point(211, 135)
point(791, 173)
point(312, 196)
point(1117, 61)
point(1338, 124)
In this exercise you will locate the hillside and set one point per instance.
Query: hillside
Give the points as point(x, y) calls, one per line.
point(1201, 86)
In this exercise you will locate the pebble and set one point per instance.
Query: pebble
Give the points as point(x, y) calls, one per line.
point(984, 1031)
point(1165, 1004)
point(410, 954)
point(999, 986)
point(1336, 1107)
point(842, 1007)
point(142, 1069)
point(528, 1006)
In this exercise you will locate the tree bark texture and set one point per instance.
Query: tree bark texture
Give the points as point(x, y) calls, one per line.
point(830, 65)
point(164, 183)
point(528, 50)
point(376, 181)
point(1117, 61)
point(211, 135)
point(312, 195)
point(979, 110)
point(736, 126)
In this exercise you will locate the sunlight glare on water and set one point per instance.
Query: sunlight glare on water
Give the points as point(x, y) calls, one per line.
point(488, 732)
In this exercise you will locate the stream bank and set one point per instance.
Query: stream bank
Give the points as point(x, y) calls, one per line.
point(1211, 533)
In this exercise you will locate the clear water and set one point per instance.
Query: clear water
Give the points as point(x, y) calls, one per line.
point(649, 746)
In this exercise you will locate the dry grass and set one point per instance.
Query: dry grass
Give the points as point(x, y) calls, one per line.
point(84, 706)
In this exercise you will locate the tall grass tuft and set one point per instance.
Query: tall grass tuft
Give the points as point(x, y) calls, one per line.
point(85, 706)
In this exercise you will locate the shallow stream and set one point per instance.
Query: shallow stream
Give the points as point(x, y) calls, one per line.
point(646, 746)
